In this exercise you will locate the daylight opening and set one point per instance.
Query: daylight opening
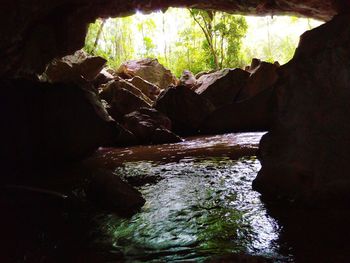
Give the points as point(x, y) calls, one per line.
point(196, 40)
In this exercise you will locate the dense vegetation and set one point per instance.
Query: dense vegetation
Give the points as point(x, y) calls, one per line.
point(191, 39)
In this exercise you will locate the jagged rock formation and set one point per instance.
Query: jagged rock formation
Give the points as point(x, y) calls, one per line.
point(123, 98)
point(222, 87)
point(148, 69)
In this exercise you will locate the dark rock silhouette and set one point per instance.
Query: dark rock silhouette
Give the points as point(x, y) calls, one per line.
point(222, 87)
point(185, 108)
point(253, 114)
point(305, 155)
point(150, 127)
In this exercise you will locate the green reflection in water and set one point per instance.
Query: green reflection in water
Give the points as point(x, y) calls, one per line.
point(196, 208)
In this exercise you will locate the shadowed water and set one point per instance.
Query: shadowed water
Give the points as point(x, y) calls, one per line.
point(196, 207)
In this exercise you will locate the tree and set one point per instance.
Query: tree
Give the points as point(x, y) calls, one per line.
point(223, 34)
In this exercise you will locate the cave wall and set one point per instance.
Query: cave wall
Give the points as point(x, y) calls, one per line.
point(305, 157)
point(32, 32)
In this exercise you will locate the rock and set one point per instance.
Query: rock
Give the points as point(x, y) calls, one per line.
point(73, 66)
point(253, 65)
point(47, 123)
point(185, 108)
point(254, 114)
point(150, 127)
point(222, 87)
point(306, 152)
point(188, 80)
point(110, 192)
point(262, 77)
point(200, 74)
point(102, 78)
point(125, 138)
point(157, 117)
point(107, 90)
point(121, 100)
point(148, 69)
point(147, 88)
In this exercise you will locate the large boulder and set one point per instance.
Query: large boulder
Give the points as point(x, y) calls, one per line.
point(122, 98)
point(222, 87)
point(306, 154)
point(121, 83)
point(110, 192)
point(102, 78)
point(147, 88)
point(74, 66)
point(262, 77)
point(150, 127)
point(185, 108)
point(254, 114)
point(148, 69)
point(45, 123)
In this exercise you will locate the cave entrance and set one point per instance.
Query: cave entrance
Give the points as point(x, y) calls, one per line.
point(197, 40)
point(222, 65)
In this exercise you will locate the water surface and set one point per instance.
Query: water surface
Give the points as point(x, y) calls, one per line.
point(199, 201)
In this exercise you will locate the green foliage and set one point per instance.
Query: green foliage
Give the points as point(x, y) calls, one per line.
point(193, 39)
point(131, 38)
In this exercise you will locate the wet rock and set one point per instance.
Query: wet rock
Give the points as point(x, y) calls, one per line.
point(110, 192)
point(148, 69)
point(149, 89)
point(254, 114)
point(150, 127)
point(262, 77)
point(46, 123)
point(185, 108)
point(188, 80)
point(222, 87)
point(123, 98)
point(74, 66)
point(306, 152)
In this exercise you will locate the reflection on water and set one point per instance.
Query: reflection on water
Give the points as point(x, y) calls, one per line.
point(233, 145)
point(196, 207)
point(199, 207)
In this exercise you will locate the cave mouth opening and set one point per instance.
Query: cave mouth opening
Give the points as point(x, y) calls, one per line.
point(216, 62)
point(196, 39)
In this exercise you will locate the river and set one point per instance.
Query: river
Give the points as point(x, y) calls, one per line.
point(200, 207)
point(199, 201)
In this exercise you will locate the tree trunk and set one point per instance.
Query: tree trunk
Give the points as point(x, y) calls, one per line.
point(98, 35)
point(208, 36)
